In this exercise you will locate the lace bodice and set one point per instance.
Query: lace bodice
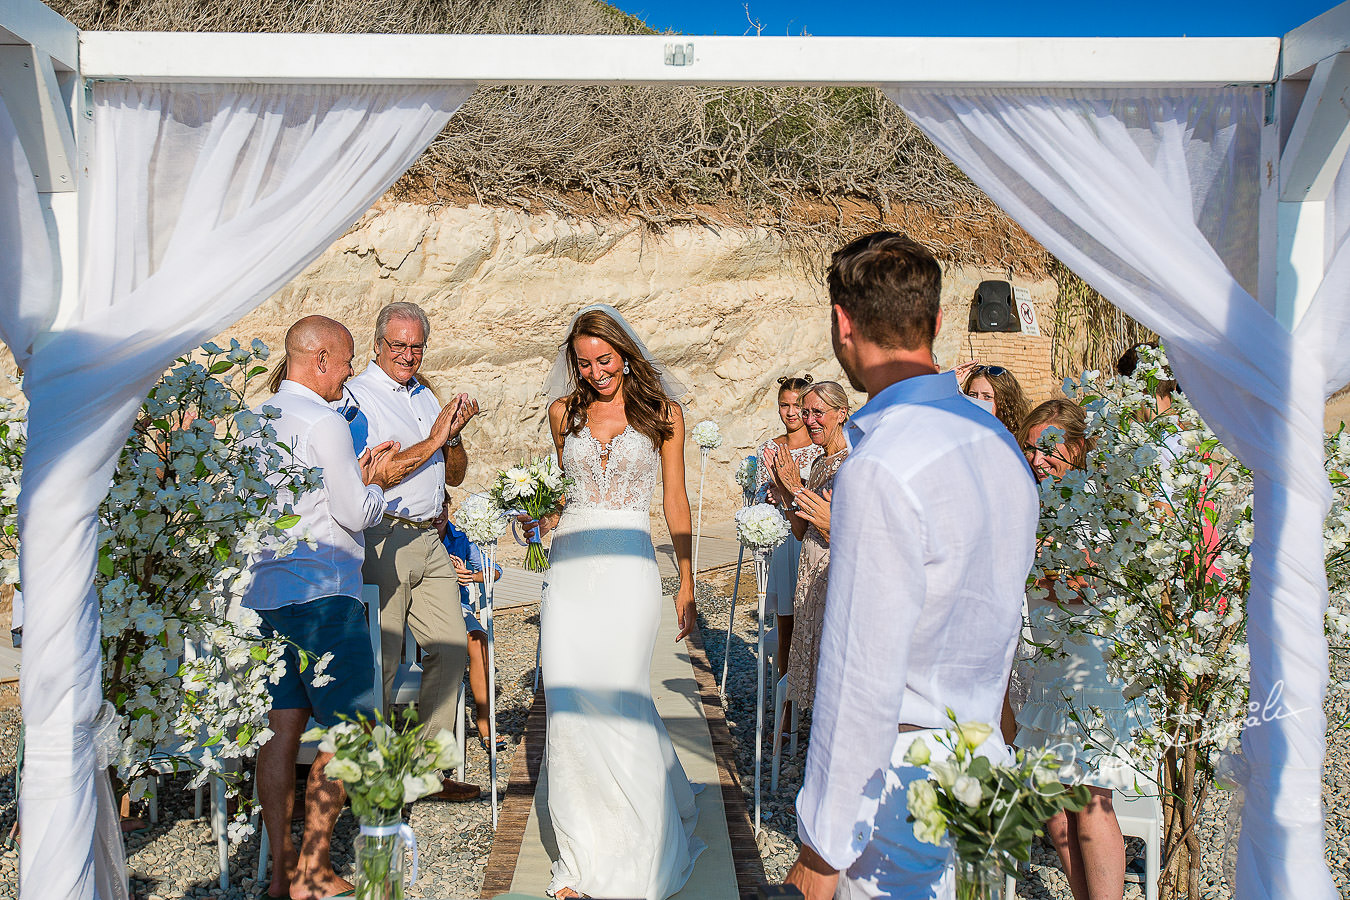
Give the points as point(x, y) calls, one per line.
point(622, 475)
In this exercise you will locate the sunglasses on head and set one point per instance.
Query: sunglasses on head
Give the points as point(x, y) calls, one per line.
point(995, 371)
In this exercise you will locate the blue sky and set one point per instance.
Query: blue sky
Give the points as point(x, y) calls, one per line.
point(979, 18)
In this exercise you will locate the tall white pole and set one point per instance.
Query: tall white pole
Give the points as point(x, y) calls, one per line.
point(489, 552)
point(698, 520)
point(731, 620)
point(762, 576)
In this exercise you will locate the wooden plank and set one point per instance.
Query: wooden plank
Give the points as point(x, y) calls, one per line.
point(670, 59)
point(744, 849)
point(516, 804)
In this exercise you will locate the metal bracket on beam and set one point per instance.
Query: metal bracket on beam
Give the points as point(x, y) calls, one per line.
point(41, 115)
point(1320, 138)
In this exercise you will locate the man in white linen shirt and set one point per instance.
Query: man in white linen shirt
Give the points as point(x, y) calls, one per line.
point(933, 532)
point(419, 588)
point(312, 598)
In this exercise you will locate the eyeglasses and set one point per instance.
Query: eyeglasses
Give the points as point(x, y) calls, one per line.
point(398, 348)
point(815, 413)
point(996, 371)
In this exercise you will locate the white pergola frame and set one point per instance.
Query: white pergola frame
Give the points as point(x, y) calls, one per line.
point(47, 65)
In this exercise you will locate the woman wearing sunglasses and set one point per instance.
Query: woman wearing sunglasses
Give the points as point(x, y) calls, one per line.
point(825, 410)
point(1064, 693)
point(995, 388)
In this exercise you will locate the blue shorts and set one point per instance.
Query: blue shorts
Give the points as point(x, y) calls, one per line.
point(335, 625)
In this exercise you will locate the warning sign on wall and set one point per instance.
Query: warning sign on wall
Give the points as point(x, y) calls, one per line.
point(1026, 310)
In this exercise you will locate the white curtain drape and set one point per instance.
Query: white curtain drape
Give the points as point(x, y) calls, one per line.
point(203, 200)
point(1151, 197)
point(27, 272)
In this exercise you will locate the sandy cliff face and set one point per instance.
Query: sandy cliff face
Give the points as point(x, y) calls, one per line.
point(728, 310)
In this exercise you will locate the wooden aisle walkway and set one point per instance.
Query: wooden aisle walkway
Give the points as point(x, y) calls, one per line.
point(682, 683)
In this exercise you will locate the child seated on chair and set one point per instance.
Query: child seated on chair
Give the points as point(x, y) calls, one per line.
point(468, 563)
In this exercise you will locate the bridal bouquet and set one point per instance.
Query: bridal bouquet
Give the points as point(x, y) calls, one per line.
point(761, 527)
point(535, 488)
point(990, 811)
point(383, 769)
point(481, 519)
point(706, 435)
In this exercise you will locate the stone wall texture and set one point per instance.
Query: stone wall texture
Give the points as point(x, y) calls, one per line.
point(730, 310)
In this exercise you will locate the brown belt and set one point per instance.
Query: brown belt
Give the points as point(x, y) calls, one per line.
point(411, 523)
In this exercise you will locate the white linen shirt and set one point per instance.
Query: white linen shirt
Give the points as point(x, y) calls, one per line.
point(395, 412)
point(933, 533)
point(335, 515)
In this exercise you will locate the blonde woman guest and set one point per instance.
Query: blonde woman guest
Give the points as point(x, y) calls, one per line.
point(1064, 693)
point(825, 410)
point(796, 442)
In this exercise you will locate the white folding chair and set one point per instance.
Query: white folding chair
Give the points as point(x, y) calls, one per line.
point(408, 678)
point(1140, 815)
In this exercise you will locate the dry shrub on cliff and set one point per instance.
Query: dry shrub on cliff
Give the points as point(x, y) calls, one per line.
point(817, 165)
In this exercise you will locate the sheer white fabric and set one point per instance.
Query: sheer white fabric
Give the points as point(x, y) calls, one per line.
point(1152, 197)
point(27, 271)
point(621, 807)
point(203, 200)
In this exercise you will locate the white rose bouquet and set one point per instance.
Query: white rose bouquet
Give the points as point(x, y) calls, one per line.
point(536, 488)
point(706, 435)
point(990, 811)
point(481, 520)
point(383, 769)
point(761, 527)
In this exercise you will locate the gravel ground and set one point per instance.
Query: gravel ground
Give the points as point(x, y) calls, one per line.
point(176, 858)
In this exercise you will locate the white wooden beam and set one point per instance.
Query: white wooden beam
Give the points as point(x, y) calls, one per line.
point(669, 59)
point(36, 24)
point(41, 115)
point(1314, 41)
point(1318, 142)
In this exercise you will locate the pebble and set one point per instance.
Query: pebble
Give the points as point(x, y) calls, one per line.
point(176, 858)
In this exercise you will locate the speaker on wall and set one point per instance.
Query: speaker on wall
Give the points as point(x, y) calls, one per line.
point(993, 308)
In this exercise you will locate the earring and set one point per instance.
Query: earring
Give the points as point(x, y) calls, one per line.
point(625, 367)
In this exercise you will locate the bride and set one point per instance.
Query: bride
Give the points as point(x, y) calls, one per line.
point(622, 809)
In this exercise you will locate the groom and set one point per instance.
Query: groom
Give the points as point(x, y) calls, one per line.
point(934, 524)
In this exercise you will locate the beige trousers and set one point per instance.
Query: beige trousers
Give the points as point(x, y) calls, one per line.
point(419, 591)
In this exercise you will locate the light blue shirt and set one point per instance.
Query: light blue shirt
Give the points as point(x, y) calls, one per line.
point(933, 529)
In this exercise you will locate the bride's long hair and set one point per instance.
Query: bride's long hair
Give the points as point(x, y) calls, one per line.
point(645, 402)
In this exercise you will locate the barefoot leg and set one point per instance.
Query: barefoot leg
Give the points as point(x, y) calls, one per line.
point(314, 875)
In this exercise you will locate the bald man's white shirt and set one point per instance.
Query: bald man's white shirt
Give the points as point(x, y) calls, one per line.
point(335, 516)
point(405, 413)
point(933, 533)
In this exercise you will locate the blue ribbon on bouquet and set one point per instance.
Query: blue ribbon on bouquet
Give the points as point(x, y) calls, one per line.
point(533, 536)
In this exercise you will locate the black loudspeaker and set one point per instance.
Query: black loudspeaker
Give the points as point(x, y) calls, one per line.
point(993, 308)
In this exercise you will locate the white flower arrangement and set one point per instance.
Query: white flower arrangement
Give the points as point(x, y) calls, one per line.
point(481, 520)
point(747, 475)
point(706, 434)
point(1155, 534)
point(986, 809)
point(761, 527)
point(199, 484)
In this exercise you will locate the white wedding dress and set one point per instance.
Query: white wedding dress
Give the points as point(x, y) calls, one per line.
point(622, 809)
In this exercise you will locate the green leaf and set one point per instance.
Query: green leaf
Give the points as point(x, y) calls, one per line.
point(221, 551)
point(214, 739)
point(223, 365)
point(256, 371)
point(288, 521)
point(105, 563)
point(259, 653)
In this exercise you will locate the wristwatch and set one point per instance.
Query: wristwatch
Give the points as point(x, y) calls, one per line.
point(455, 441)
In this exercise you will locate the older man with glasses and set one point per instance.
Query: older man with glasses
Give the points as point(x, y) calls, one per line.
point(404, 556)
